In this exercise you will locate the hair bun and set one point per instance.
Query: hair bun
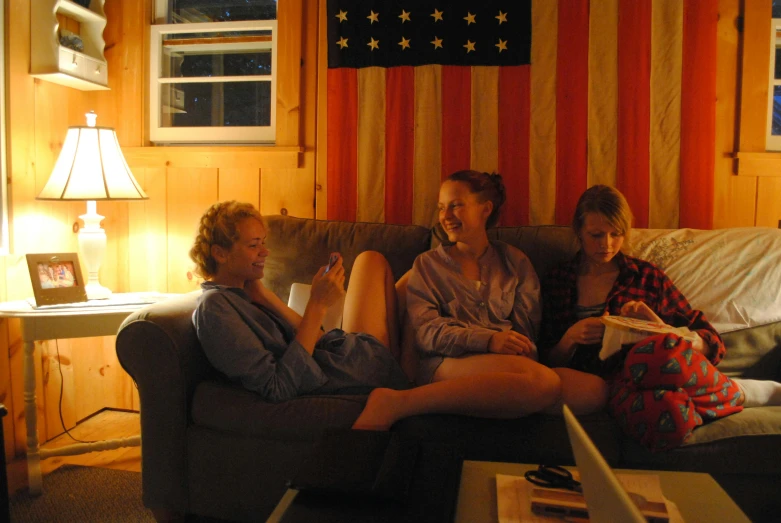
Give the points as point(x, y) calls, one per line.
point(496, 180)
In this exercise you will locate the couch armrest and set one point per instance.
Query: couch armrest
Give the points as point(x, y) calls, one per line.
point(158, 347)
point(753, 352)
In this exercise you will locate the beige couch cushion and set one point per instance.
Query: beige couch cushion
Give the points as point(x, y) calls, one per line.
point(732, 275)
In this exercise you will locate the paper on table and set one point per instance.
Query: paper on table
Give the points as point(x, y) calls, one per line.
point(513, 496)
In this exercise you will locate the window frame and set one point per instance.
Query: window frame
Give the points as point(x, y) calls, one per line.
point(773, 142)
point(753, 158)
point(208, 134)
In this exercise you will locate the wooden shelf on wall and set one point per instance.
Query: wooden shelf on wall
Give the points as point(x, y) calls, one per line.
point(87, 69)
point(759, 164)
point(214, 156)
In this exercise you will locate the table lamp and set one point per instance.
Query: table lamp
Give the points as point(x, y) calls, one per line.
point(91, 167)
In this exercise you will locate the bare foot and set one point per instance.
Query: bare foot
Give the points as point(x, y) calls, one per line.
point(378, 414)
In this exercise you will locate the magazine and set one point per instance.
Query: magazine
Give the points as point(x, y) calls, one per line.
point(620, 330)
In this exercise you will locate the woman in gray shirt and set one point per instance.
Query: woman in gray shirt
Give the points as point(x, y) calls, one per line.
point(255, 339)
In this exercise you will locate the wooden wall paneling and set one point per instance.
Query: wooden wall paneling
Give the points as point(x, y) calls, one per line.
point(114, 268)
point(309, 95)
point(6, 393)
point(288, 189)
point(88, 361)
point(321, 176)
point(55, 218)
point(21, 178)
point(52, 365)
point(239, 184)
point(3, 288)
point(147, 233)
point(754, 74)
point(289, 68)
point(21, 130)
point(759, 164)
point(118, 386)
point(123, 106)
point(189, 193)
point(217, 157)
point(734, 196)
point(769, 202)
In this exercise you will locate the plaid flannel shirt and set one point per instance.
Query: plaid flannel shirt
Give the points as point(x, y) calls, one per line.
point(637, 280)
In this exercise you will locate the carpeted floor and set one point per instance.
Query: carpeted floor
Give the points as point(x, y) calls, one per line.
point(84, 494)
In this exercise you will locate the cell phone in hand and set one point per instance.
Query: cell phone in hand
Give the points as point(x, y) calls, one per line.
point(331, 262)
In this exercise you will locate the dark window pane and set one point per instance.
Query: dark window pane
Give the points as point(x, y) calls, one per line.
point(238, 64)
point(776, 128)
point(190, 11)
point(229, 104)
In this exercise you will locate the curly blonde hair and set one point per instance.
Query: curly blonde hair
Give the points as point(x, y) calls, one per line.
point(218, 226)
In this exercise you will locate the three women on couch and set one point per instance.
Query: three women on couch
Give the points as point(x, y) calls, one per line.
point(474, 305)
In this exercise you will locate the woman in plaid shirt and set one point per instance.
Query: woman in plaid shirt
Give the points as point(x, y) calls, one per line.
point(663, 387)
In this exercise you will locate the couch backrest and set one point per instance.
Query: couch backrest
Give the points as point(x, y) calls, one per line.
point(733, 275)
point(299, 247)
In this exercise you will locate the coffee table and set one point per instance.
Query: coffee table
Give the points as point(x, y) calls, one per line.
point(697, 495)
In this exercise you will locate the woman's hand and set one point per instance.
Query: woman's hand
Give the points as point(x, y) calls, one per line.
point(639, 310)
point(328, 288)
point(510, 342)
point(587, 331)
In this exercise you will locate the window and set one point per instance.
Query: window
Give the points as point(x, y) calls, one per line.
point(213, 72)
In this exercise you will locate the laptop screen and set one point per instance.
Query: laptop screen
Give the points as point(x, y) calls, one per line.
point(606, 498)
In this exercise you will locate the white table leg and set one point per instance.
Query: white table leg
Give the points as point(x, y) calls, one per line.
point(31, 420)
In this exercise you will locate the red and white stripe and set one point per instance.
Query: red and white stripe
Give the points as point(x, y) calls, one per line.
point(605, 100)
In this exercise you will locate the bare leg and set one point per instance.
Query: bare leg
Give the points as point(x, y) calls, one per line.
point(401, 295)
point(486, 385)
point(370, 303)
point(583, 393)
point(408, 358)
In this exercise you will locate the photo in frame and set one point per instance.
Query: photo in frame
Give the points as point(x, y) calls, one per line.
point(56, 278)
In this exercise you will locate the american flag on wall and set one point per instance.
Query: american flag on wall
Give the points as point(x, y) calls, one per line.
point(554, 95)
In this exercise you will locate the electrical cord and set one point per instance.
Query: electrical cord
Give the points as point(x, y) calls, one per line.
point(62, 380)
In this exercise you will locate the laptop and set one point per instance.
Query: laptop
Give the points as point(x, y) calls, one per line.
point(606, 498)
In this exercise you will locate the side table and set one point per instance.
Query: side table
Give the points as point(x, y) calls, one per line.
point(86, 321)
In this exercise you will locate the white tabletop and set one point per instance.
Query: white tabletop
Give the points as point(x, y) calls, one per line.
point(117, 303)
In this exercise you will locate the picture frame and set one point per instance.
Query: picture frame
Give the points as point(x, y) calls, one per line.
point(56, 278)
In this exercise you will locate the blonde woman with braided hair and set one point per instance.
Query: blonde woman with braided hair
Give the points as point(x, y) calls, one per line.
point(252, 337)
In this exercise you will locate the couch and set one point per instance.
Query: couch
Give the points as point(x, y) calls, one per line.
point(213, 449)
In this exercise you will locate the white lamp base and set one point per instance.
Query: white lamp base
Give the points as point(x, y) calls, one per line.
point(96, 291)
point(92, 244)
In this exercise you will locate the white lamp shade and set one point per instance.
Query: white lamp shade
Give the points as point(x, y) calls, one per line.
point(91, 167)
